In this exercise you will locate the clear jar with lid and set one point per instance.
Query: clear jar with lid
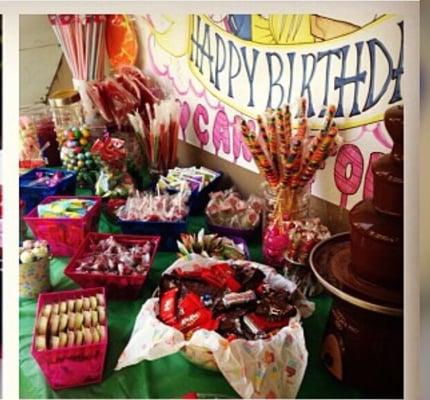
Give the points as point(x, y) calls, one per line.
point(67, 112)
point(40, 115)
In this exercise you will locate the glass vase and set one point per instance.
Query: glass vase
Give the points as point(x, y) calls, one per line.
point(281, 204)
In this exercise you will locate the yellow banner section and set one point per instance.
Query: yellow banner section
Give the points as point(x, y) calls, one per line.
point(359, 72)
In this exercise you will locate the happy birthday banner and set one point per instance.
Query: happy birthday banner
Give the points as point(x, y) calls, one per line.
point(221, 74)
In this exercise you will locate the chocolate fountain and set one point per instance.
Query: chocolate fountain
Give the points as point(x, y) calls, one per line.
point(363, 270)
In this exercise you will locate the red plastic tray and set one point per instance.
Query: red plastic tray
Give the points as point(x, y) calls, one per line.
point(71, 366)
point(123, 287)
point(64, 235)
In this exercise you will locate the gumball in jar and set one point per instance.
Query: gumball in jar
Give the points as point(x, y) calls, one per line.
point(75, 155)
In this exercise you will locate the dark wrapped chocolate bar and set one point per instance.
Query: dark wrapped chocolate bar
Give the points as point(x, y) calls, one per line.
point(249, 277)
point(231, 299)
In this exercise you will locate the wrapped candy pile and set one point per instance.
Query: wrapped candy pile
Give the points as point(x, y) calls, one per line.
point(110, 257)
point(302, 237)
point(212, 245)
point(74, 322)
point(228, 209)
point(195, 179)
point(148, 206)
point(65, 208)
point(230, 299)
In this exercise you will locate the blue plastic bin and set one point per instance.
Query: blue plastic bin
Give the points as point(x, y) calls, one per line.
point(33, 194)
point(199, 199)
point(168, 231)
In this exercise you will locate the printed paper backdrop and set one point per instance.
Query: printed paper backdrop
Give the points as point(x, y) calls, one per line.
point(224, 68)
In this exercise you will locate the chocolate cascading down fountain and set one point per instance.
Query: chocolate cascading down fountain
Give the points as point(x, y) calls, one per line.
point(363, 270)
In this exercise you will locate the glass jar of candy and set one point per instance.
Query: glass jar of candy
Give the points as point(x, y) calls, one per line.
point(66, 111)
point(281, 205)
point(40, 115)
point(293, 204)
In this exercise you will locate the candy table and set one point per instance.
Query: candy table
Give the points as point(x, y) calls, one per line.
point(170, 377)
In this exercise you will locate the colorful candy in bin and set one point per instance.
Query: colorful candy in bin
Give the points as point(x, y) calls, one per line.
point(221, 247)
point(65, 224)
point(119, 263)
point(148, 206)
point(33, 268)
point(40, 183)
point(199, 182)
point(147, 213)
point(70, 337)
point(229, 214)
point(65, 208)
point(76, 156)
point(195, 179)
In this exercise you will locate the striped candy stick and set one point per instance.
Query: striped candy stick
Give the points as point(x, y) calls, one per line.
point(263, 132)
point(288, 128)
point(283, 150)
point(260, 158)
point(273, 140)
point(291, 160)
point(328, 120)
point(300, 139)
point(320, 154)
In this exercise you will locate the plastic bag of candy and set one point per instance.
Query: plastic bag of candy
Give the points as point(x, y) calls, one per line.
point(114, 180)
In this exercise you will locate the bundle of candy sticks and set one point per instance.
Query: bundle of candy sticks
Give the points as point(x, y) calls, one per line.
point(160, 136)
point(82, 40)
point(289, 160)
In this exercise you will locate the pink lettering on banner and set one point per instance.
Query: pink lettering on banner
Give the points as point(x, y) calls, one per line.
point(238, 143)
point(184, 118)
point(368, 180)
point(221, 132)
point(348, 171)
point(202, 135)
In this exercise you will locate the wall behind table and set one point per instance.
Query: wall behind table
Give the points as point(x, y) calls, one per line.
point(40, 53)
point(40, 58)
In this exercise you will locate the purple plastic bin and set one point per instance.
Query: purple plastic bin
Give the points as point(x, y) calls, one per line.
point(247, 234)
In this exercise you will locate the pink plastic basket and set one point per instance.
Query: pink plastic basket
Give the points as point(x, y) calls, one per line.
point(64, 235)
point(123, 287)
point(70, 366)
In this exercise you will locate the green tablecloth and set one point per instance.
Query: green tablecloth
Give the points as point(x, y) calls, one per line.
point(169, 377)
